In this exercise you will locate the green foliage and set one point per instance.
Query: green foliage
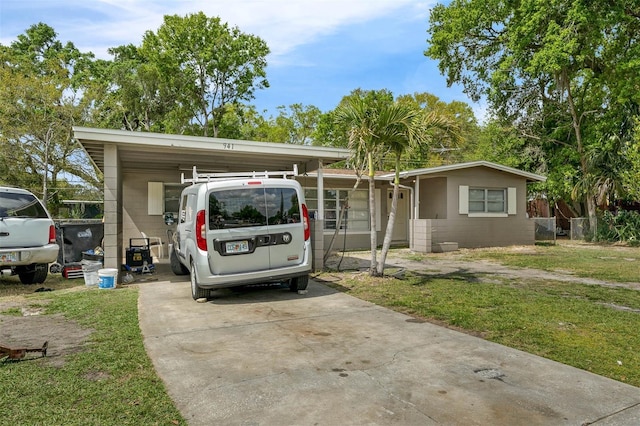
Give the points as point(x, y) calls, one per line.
point(42, 95)
point(207, 65)
point(623, 225)
point(563, 73)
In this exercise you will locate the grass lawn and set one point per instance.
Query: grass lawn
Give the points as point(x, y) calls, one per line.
point(108, 380)
point(603, 262)
point(591, 327)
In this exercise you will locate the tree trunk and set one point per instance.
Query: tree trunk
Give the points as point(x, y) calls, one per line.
point(590, 201)
point(373, 268)
point(388, 234)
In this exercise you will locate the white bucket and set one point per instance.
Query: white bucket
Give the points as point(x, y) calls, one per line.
point(108, 278)
point(90, 271)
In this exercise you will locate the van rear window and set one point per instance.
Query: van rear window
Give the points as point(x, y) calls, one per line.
point(237, 208)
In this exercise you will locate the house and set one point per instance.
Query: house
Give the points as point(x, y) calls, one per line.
point(471, 204)
point(475, 204)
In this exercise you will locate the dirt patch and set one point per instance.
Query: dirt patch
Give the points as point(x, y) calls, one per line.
point(27, 327)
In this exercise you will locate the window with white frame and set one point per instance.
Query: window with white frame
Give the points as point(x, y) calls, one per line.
point(482, 200)
point(356, 216)
point(163, 198)
point(474, 201)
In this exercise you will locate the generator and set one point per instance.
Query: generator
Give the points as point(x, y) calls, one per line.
point(138, 255)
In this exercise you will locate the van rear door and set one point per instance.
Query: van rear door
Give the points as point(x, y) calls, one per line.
point(237, 230)
point(255, 226)
point(285, 226)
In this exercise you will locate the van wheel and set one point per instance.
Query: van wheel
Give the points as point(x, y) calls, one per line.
point(299, 283)
point(176, 266)
point(197, 292)
point(33, 274)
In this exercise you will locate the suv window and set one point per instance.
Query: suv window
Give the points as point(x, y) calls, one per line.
point(21, 205)
point(236, 208)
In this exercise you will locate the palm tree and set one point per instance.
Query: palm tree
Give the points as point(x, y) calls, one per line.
point(606, 166)
point(404, 128)
point(376, 125)
point(360, 116)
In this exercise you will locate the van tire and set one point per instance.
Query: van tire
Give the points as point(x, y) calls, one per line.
point(33, 274)
point(197, 292)
point(176, 266)
point(299, 283)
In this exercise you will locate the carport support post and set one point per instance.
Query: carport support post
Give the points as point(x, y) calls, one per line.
point(112, 244)
point(318, 224)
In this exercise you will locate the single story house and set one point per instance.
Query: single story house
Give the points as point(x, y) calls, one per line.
point(471, 204)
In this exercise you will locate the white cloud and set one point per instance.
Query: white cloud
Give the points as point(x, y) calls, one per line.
point(283, 24)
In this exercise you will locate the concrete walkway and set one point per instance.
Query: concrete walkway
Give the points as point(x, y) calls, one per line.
point(266, 356)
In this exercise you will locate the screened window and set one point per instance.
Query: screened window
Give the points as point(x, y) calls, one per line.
point(482, 200)
point(356, 217)
point(172, 197)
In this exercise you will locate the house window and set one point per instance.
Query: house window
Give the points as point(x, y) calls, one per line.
point(163, 198)
point(487, 200)
point(172, 197)
point(356, 217)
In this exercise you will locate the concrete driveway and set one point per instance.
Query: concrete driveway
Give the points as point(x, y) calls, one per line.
point(266, 356)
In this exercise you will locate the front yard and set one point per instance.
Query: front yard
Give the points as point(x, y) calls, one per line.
point(582, 308)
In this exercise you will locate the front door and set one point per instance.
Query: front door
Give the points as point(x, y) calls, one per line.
point(400, 228)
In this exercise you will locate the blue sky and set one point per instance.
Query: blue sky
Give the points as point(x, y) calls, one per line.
point(321, 50)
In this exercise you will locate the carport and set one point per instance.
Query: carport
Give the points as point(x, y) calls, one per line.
point(126, 158)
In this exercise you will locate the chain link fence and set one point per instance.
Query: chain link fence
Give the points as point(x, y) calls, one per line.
point(545, 228)
point(579, 228)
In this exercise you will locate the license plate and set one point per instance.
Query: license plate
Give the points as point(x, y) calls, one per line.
point(237, 247)
point(10, 257)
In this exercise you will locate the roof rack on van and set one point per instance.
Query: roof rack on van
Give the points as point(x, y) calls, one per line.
point(207, 177)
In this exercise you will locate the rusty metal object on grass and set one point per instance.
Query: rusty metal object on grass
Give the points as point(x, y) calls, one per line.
point(19, 353)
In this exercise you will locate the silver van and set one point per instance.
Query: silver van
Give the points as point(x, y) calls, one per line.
point(238, 229)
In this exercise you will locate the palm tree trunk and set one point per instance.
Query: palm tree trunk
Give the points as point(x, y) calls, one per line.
point(373, 268)
point(388, 234)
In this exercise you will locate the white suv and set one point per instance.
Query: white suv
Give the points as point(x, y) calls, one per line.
point(27, 235)
point(235, 230)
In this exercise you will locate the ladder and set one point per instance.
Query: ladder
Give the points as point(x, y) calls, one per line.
point(208, 177)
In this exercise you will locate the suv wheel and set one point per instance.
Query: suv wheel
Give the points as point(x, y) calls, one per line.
point(197, 292)
point(299, 283)
point(32, 274)
point(176, 266)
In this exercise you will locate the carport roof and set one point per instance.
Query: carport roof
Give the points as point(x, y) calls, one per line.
point(144, 151)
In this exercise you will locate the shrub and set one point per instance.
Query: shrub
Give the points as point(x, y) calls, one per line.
point(623, 225)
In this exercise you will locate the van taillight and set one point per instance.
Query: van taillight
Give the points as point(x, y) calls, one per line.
point(201, 231)
point(52, 234)
point(305, 222)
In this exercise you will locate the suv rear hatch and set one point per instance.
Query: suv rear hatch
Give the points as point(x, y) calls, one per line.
point(23, 221)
